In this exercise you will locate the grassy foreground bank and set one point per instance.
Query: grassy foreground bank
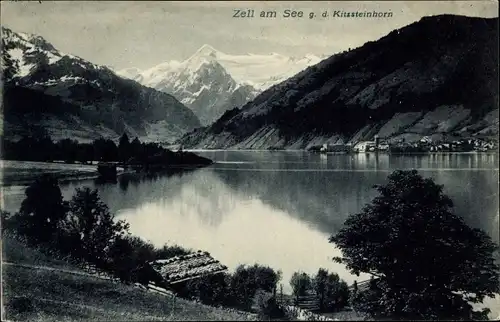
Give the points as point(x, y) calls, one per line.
point(39, 288)
point(25, 172)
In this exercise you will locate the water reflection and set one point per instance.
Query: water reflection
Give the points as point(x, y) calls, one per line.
point(322, 200)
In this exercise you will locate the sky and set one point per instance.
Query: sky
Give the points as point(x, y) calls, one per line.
point(142, 34)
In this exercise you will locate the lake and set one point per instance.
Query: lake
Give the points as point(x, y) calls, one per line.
point(279, 208)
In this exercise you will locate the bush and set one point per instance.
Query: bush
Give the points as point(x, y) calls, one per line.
point(368, 300)
point(301, 283)
point(41, 211)
point(332, 292)
point(236, 290)
point(170, 251)
point(210, 289)
point(247, 280)
point(91, 227)
point(267, 306)
point(10, 222)
point(125, 255)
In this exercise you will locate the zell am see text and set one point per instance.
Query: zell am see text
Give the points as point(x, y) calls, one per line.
point(289, 13)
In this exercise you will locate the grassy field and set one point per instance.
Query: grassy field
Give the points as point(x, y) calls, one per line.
point(45, 289)
point(24, 172)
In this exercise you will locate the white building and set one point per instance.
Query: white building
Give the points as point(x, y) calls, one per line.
point(383, 147)
point(426, 139)
point(363, 146)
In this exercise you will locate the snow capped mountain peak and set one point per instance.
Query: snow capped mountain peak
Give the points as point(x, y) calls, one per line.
point(200, 82)
point(203, 58)
point(29, 52)
point(28, 40)
point(258, 70)
point(210, 81)
point(206, 50)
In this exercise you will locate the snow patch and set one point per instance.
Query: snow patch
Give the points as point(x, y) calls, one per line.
point(16, 53)
point(53, 58)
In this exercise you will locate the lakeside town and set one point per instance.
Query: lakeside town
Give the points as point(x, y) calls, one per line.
point(424, 145)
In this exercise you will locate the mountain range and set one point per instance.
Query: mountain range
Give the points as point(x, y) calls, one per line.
point(211, 82)
point(49, 92)
point(411, 83)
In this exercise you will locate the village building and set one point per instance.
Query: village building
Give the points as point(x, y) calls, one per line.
point(363, 146)
point(371, 146)
point(426, 140)
point(334, 148)
point(384, 146)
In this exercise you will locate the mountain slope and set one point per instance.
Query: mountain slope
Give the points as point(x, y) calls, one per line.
point(211, 82)
point(410, 83)
point(68, 96)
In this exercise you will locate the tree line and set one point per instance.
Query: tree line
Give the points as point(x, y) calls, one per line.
point(82, 230)
point(30, 148)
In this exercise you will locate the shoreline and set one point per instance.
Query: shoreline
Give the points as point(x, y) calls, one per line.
point(346, 153)
point(63, 172)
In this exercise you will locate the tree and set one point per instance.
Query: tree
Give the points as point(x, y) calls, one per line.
point(427, 262)
point(42, 210)
point(210, 289)
point(247, 280)
point(85, 152)
point(332, 292)
point(170, 251)
point(135, 148)
point(354, 293)
point(301, 283)
point(319, 283)
point(368, 300)
point(128, 258)
point(105, 150)
point(124, 148)
point(90, 219)
point(120, 259)
point(267, 306)
point(67, 150)
point(337, 293)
